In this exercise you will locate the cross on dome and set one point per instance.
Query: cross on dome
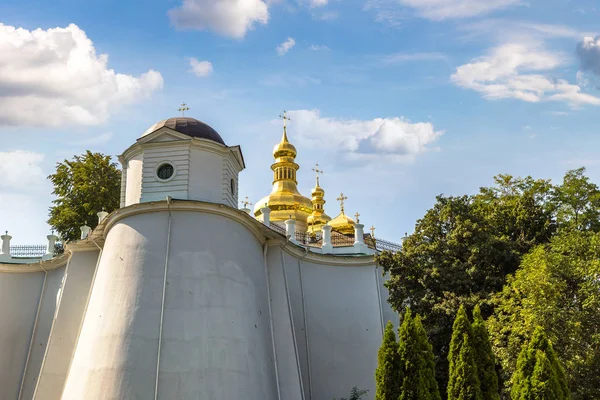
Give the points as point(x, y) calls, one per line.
point(356, 216)
point(245, 202)
point(285, 118)
point(182, 109)
point(341, 200)
point(317, 172)
point(372, 229)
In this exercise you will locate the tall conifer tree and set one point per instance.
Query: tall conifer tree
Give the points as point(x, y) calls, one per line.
point(539, 374)
point(387, 376)
point(460, 329)
point(484, 358)
point(417, 365)
point(463, 374)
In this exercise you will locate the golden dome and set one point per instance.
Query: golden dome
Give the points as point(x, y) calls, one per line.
point(285, 201)
point(317, 218)
point(342, 223)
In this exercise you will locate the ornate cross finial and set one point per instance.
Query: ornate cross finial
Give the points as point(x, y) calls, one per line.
point(356, 216)
point(318, 171)
point(245, 202)
point(285, 119)
point(372, 229)
point(182, 109)
point(341, 200)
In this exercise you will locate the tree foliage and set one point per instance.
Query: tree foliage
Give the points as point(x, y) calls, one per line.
point(464, 248)
point(539, 375)
point(485, 360)
point(417, 365)
point(557, 288)
point(387, 374)
point(355, 394)
point(83, 186)
point(464, 381)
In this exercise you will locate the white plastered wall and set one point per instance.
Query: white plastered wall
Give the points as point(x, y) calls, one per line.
point(133, 180)
point(72, 301)
point(206, 176)
point(337, 312)
point(216, 341)
point(19, 296)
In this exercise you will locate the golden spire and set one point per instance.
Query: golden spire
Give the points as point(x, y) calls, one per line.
point(317, 172)
point(341, 200)
point(285, 119)
point(318, 218)
point(182, 109)
point(285, 199)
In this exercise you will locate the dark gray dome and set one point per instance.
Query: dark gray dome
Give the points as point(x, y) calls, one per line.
point(188, 126)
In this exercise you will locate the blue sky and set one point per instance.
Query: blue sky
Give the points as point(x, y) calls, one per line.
point(397, 100)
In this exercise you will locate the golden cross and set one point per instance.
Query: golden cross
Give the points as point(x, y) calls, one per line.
point(246, 203)
point(318, 171)
point(183, 108)
point(372, 229)
point(285, 118)
point(356, 216)
point(341, 200)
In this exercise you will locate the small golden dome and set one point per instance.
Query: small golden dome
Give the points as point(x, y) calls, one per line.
point(343, 224)
point(284, 148)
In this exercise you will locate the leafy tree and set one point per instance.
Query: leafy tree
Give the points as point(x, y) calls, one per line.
point(484, 358)
point(539, 375)
point(465, 384)
point(578, 202)
point(557, 288)
point(85, 185)
point(387, 376)
point(417, 365)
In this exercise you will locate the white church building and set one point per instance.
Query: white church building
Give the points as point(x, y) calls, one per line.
point(179, 294)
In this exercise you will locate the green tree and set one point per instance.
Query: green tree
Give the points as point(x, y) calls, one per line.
point(539, 374)
point(578, 202)
point(417, 365)
point(387, 376)
point(461, 329)
point(83, 186)
point(486, 364)
point(465, 384)
point(557, 288)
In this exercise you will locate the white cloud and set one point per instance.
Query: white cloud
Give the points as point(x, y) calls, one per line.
point(588, 51)
point(396, 139)
point(315, 47)
point(520, 71)
point(54, 78)
point(504, 30)
point(21, 169)
point(317, 3)
point(233, 18)
point(438, 10)
point(200, 68)
point(285, 46)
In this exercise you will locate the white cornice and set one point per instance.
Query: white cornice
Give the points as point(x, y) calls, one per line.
point(39, 266)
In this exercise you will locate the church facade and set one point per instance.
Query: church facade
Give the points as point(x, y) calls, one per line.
point(181, 295)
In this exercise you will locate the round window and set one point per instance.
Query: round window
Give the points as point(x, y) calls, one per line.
point(232, 183)
point(165, 171)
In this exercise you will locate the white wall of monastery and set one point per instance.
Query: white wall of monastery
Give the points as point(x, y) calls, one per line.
point(72, 301)
point(19, 296)
point(208, 185)
point(216, 340)
point(133, 179)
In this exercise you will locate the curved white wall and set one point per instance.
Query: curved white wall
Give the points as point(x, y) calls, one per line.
point(19, 296)
point(216, 340)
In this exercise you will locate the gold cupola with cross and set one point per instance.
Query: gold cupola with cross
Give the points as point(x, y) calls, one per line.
point(342, 223)
point(317, 218)
point(285, 201)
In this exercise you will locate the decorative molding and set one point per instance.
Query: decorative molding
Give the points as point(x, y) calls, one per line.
point(40, 266)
